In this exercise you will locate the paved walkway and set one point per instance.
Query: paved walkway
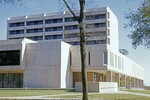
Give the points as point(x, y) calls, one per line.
point(47, 97)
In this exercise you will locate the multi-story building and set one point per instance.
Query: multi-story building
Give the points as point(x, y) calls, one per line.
point(51, 59)
point(64, 27)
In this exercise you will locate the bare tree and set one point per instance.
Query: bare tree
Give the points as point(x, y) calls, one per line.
point(80, 20)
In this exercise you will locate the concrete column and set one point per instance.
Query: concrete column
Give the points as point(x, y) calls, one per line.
point(140, 83)
point(128, 85)
point(117, 78)
point(123, 81)
point(109, 76)
point(132, 83)
point(136, 83)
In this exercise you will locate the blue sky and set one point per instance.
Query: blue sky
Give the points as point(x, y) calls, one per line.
point(140, 55)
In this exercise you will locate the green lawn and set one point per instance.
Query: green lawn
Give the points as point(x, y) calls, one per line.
point(30, 92)
point(68, 94)
point(105, 97)
point(140, 91)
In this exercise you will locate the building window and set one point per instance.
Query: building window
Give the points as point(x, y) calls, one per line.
point(111, 59)
point(108, 32)
point(96, 42)
point(98, 16)
point(8, 58)
point(89, 60)
point(38, 22)
point(70, 19)
point(108, 41)
point(50, 29)
point(50, 37)
point(51, 21)
point(74, 43)
point(108, 23)
point(11, 80)
point(119, 62)
point(116, 61)
point(108, 16)
point(36, 30)
point(74, 35)
point(36, 38)
point(18, 24)
point(105, 58)
point(122, 64)
point(71, 27)
point(70, 58)
point(96, 25)
point(16, 32)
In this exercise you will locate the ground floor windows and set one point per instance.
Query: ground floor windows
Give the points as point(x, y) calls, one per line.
point(11, 80)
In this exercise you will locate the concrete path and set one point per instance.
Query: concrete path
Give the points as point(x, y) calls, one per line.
point(47, 97)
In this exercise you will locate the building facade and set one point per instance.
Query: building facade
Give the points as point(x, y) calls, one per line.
point(46, 48)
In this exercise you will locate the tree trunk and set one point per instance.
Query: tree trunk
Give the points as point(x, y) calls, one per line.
point(82, 50)
point(80, 20)
point(83, 64)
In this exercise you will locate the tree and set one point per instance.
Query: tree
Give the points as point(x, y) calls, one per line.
point(80, 21)
point(140, 22)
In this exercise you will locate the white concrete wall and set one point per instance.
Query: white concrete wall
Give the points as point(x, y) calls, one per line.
point(66, 74)
point(114, 35)
point(101, 87)
point(96, 57)
point(128, 67)
point(43, 65)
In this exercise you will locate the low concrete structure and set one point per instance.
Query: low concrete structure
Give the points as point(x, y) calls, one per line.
point(101, 87)
point(56, 64)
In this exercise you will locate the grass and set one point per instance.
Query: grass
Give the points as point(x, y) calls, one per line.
point(30, 92)
point(105, 97)
point(70, 94)
point(140, 91)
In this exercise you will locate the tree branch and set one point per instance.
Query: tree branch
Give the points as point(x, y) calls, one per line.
point(71, 11)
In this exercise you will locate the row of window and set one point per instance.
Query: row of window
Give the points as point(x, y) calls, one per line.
point(89, 42)
point(58, 28)
point(58, 20)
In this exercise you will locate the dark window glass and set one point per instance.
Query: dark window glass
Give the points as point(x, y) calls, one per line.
point(49, 37)
point(75, 35)
point(99, 16)
point(38, 22)
point(49, 29)
point(96, 42)
point(89, 58)
point(96, 25)
point(18, 24)
point(71, 27)
point(11, 80)
point(50, 21)
point(105, 57)
point(16, 32)
point(36, 38)
point(74, 43)
point(70, 19)
point(36, 30)
point(9, 58)
point(70, 58)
